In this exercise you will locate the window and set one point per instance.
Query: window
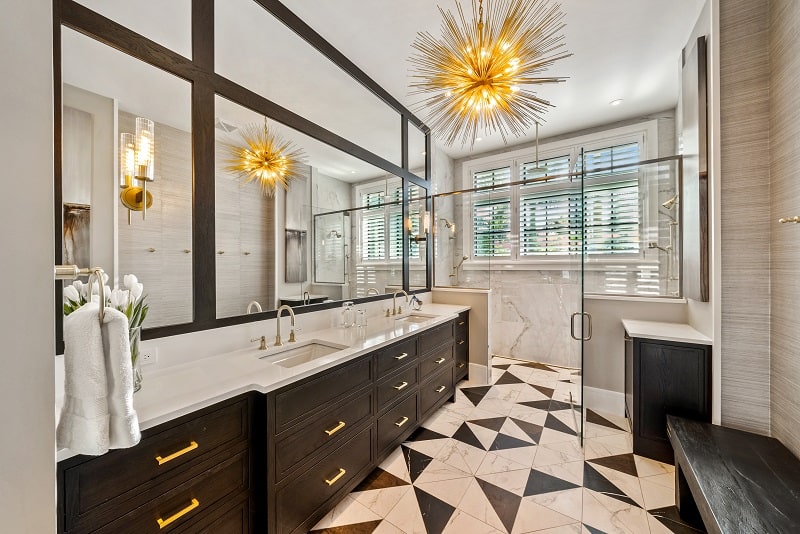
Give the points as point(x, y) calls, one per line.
point(382, 223)
point(548, 219)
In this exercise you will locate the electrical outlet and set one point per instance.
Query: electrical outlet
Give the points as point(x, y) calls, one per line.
point(149, 355)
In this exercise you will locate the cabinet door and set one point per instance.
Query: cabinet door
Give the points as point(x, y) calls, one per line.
point(672, 379)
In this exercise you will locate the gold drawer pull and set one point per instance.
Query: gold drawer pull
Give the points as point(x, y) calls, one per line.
point(401, 356)
point(462, 323)
point(461, 365)
point(171, 519)
point(440, 389)
point(461, 342)
point(335, 429)
point(192, 446)
point(440, 360)
point(400, 387)
point(332, 481)
point(401, 422)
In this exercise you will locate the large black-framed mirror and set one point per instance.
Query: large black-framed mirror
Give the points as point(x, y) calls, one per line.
point(183, 227)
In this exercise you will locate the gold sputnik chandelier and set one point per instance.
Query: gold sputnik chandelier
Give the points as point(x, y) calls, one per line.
point(266, 158)
point(479, 74)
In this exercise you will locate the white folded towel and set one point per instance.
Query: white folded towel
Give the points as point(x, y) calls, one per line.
point(98, 409)
point(83, 426)
point(123, 427)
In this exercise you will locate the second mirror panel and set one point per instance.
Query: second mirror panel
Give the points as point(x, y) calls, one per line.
point(302, 245)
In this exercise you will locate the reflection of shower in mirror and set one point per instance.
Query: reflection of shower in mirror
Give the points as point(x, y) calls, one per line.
point(454, 273)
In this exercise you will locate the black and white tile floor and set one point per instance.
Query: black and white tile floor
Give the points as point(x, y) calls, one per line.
point(505, 458)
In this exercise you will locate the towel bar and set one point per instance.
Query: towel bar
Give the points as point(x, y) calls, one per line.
point(71, 272)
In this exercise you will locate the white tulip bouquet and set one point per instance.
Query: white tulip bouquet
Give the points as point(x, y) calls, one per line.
point(130, 301)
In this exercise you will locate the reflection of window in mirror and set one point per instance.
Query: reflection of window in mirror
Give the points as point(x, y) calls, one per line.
point(103, 94)
point(419, 236)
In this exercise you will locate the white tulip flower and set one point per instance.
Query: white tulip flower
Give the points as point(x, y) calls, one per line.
point(136, 291)
point(130, 280)
point(71, 294)
point(80, 287)
point(119, 298)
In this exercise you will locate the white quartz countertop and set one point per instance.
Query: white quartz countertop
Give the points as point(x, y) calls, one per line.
point(171, 392)
point(679, 332)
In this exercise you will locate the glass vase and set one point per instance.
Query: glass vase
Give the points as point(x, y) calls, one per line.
point(136, 343)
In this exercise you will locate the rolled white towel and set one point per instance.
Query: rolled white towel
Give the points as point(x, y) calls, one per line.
point(83, 425)
point(124, 423)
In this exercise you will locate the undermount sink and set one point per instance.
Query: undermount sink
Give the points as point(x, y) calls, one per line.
point(300, 353)
point(415, 318)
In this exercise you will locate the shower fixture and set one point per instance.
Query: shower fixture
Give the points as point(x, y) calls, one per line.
point(448, 224)
point(666, 249)
point(669, 204)
point(334, 233)
point(454, 273)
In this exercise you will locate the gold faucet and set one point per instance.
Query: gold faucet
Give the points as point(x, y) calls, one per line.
point(395, 308)
point(371, 291)
point(288, 308)
point(263, 340)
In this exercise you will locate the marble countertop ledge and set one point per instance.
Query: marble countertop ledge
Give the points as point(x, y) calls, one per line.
point(682, 333)
point(171, 392)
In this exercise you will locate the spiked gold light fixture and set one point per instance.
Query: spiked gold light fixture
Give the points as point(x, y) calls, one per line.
point(265, 157)
point(480, 73)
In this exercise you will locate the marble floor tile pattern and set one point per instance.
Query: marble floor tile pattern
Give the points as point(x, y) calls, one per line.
point(506, 458)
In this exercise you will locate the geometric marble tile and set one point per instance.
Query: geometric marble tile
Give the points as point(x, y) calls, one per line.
point(540, 482)
point(595, 481)
point(357, 528)
point(669, 518)
point(465, 435)
point(594, 417)
point(435, 512)
point(624, 463)
point(504, 503)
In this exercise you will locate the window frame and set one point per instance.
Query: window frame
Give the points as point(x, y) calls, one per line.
point(644, 133)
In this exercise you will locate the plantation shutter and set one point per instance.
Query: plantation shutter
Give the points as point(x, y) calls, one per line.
point(491, 214)
point(373, 227)
point(557, 166)
point(550, 224)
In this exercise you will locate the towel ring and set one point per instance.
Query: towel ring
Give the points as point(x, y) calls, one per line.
point(71, 272)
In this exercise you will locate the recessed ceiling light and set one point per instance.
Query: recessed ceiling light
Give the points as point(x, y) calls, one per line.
point(616, 102)
point(478, 139)
point(352, 172)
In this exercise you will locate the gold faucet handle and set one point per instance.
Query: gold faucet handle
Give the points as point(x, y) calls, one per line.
point(399, 310)
point(387, 312)
point(263, 340)
point(291, 336)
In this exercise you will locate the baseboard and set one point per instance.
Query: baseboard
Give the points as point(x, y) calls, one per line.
point(604, 400)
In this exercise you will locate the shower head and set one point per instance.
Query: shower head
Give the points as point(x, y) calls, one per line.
point(669, 204)
point(447, 223)
point(652, 244)
point(334, 233)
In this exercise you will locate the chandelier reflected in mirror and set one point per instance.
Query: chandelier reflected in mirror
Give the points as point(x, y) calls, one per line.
point(479, 75)
point(264, 157)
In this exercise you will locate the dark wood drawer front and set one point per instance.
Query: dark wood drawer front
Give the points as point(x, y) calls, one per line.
point(300, 499)
point(234, 520)
point(184, 508)
point(328, 428)
point(111, 476)
point(397, 422)
point(462, 326)
point(396, 386)
point(435, 361)
point(433, 393)
point(396, 356)
point(294, 403)
point(439, 335)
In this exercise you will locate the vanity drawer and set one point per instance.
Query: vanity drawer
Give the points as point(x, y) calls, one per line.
point(397, 423)
point(328, 428)
point(439, 335)
point(294, 403)
point(434, 392)
point(433, 362)
point(299, 500)
point(396, 356)
point(462, 326)
point(396, 386)
point(120, 474)
point(187, 507)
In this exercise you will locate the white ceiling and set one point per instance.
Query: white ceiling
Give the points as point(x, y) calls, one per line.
point(627, 49)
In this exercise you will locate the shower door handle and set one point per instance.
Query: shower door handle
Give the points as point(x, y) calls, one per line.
point(572, 326)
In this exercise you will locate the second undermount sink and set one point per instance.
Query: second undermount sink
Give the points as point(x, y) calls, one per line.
point(415, 318)
point(303, 352)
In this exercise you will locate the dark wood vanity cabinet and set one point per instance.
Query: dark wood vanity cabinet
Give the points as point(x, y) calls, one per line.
point(350, 419)
point(266, 463)
point(184, 476)
point(664, 378)
point(462, 347)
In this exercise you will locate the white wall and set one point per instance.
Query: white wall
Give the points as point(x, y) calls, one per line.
point(27, 415)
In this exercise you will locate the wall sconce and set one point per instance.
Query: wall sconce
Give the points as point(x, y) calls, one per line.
point(425, 227)
point(137, 167)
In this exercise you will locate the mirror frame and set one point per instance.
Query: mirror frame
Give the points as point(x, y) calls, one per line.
point(206, 83)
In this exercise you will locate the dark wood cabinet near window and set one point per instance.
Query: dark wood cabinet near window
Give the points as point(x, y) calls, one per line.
point(664, 378)
point(462, 347)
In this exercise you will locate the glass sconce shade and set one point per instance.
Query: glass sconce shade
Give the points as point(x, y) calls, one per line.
point(127, 155)
point(145, 149)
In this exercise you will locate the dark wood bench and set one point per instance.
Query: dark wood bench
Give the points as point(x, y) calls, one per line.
point(734, 481)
